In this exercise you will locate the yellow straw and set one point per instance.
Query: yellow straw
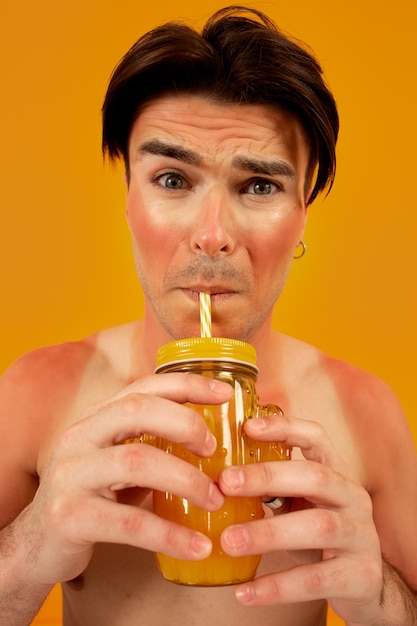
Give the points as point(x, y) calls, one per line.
point(205, 315)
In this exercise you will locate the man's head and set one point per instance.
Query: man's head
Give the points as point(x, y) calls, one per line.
point(240, 57)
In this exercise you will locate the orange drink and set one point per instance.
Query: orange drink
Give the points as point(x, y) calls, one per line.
point(233, 362)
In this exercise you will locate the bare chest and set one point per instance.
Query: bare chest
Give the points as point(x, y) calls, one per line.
point(123, 586)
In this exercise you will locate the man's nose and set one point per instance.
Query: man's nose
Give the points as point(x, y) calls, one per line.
point(212, 231)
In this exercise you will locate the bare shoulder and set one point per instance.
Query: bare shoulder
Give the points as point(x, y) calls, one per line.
point(50, 374)
point(354, 405)
point(43, 375)
point(42, 393)
point(353, 387)
point(366, 399)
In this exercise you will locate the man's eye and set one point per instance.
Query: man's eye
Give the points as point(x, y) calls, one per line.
point(172, 181)
point(261, 187)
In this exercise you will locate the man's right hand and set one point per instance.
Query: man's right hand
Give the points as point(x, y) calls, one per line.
point(76, 503)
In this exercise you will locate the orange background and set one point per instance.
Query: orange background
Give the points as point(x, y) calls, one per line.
point(65, 260)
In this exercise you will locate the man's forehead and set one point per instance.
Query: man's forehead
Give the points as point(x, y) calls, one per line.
point(172, 111)
point(195, 126)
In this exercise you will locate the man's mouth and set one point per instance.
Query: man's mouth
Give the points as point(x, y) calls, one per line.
point(217, 294)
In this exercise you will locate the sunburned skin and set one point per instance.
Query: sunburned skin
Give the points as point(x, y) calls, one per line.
point(122, 582)
point(216, 202)
point(135, 590)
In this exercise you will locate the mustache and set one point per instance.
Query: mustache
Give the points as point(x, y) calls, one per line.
point(205, 270)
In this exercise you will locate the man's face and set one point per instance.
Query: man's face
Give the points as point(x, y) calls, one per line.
point(215, 203)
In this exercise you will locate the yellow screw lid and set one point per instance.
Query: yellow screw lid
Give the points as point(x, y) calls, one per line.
point(206, 349)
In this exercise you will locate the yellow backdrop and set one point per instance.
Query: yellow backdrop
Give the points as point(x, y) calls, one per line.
point(65, 259)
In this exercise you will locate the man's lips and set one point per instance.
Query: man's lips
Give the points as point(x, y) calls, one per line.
point(217, 294)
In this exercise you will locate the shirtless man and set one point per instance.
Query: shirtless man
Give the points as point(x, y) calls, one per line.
point(226, 144)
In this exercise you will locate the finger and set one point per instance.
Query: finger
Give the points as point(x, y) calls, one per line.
point(335, 578)
point(105, 521)
point(141, 465)
point(307, 435)
point(136, 414)
point(296, 479)
point(178, 387)
point(310, 529)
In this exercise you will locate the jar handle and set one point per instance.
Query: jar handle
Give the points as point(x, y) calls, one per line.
point(269, 409)
point(274, 450)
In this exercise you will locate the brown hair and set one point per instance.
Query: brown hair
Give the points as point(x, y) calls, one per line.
point(240, 56)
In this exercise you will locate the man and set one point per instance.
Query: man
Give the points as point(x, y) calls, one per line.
point(227, 138)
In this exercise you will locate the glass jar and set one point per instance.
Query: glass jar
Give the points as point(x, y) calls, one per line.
point(234, 362)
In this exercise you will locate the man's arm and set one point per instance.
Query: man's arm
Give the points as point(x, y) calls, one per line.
point(50, 528)
point(398, 602)
point(20, 598)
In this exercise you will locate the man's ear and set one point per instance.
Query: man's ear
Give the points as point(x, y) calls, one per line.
point(305, 210)
point(125, 181)
point(308, 196)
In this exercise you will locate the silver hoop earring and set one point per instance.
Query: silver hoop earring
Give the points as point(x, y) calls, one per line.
point(302, 252)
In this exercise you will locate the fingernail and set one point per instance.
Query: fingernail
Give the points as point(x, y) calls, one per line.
point(210, 442)
point(221, 388)
point(201, 545)
point(236, 538)
point(244, 594)
point(257, 423)
point(233, 477)
point(215, 495)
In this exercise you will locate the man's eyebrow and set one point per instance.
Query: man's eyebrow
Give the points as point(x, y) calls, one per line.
point(160, 148)
point(256, 166)
point(268, 168)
